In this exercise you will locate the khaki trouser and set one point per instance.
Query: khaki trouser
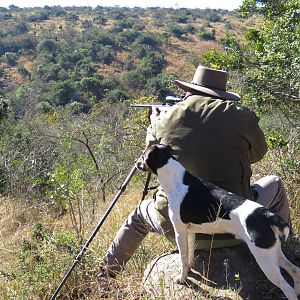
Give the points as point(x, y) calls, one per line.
point(269, 191)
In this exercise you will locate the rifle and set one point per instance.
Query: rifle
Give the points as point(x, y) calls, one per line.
point(166, 105)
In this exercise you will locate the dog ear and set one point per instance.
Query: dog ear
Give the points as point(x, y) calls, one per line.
point(167, 147)
point(157, 156)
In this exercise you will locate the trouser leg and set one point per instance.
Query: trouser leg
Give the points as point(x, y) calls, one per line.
point(272, 195)
point(131, 234)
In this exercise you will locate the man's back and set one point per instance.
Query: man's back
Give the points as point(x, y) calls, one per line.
point(214, 139)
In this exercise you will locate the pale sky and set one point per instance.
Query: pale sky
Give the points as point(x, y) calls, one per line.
point(223, 4)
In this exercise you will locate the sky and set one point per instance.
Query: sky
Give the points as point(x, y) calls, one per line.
point(223, 4)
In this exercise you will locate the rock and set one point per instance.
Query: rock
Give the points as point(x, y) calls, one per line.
point(228, 273)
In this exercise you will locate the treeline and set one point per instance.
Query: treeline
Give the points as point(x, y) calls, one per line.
point(80, 56)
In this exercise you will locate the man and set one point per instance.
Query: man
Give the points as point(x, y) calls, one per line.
point(214, 139)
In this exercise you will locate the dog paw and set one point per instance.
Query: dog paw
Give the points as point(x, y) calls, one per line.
point(180, 280)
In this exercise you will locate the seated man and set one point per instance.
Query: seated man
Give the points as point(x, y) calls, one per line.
point(214, 139)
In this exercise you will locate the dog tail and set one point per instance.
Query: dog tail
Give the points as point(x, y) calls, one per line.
point(283, 227)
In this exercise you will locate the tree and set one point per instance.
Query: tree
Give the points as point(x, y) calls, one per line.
point(47, 45)
point(92, 86)
point(268, 59)
point(3, 108)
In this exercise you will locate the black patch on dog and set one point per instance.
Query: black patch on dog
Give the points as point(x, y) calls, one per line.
point(204, 201)
point(157, 156)
point(259, 227)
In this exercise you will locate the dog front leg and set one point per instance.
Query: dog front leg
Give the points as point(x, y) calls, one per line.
point(182, 244)
point(191, 247)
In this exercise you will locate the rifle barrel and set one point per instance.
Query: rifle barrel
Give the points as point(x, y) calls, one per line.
point(159, 106)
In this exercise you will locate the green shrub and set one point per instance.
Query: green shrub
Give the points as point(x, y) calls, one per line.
point(207, 35)
point(10, 58)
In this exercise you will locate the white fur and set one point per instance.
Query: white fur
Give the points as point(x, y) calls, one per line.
point(170, 177)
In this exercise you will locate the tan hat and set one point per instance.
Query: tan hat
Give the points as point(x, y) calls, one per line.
point(209, 81)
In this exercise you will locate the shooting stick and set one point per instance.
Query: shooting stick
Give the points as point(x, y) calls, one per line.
point(84, 248)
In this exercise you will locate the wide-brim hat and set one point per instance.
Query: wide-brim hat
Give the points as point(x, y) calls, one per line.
point(209, 81)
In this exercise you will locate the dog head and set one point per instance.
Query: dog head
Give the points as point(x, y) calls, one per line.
point(155, 157)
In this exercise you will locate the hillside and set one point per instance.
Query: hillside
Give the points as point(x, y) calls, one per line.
point(69, 138)
point(106, 53)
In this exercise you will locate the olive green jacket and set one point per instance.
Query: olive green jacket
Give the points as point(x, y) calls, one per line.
point(213, 139)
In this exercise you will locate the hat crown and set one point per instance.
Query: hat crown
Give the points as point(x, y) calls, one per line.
point(209, 81)
point(210, 78)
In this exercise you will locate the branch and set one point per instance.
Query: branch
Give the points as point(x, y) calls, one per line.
point(86, 144)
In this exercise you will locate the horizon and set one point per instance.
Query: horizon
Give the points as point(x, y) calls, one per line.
point(217, 4)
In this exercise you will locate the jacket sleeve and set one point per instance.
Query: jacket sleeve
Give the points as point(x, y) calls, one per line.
point(156, 121)
point(150, 136)
point(258, 145)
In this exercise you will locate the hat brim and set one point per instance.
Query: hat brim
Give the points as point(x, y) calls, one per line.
point(189, 87)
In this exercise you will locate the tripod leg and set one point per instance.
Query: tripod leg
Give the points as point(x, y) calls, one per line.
point(83, 250)
point(146, 187)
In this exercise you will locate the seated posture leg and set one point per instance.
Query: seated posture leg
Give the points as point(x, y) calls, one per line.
point(271, 194)
point(129, 237)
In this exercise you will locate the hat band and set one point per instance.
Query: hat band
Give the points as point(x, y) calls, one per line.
point(208, 87)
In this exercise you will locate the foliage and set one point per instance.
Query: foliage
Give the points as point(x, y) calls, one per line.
point(269, 56)
point(3, 108)
point(207, 35)
point(35, 269)
point(68, 134)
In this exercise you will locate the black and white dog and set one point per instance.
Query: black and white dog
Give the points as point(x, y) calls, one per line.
point(199, 206)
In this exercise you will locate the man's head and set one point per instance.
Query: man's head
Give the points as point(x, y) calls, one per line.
point(209, 81)
point(155, 157)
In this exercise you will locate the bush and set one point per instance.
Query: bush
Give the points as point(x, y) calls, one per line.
point(177, 31)
point(147, 38)
point(44, 107)
point(107, 55)
point(117, 95)
point(22, 71)
point(207, 36)
point(10, 58)
point(47, 45)
point(16, 43)
point(38, 16)
point(160, 86)
point(3, 108)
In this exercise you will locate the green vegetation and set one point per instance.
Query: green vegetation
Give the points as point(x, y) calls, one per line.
point(68, 136)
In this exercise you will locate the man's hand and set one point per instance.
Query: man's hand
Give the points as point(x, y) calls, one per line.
point(155, 113)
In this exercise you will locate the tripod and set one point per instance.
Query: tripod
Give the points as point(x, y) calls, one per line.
point(114, 201)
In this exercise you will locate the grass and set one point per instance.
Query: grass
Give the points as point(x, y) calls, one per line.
point(28, 253)
point(37, 247)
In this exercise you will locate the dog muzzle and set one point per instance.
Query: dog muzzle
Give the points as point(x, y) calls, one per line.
point(141, 165)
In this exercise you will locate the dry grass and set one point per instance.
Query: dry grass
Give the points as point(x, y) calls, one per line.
point(17, 224)
point(18, 221)
point(28, 61)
